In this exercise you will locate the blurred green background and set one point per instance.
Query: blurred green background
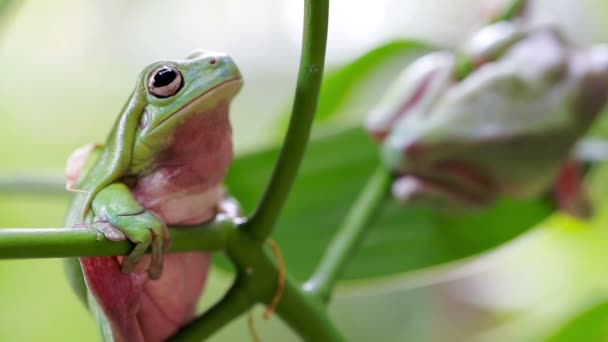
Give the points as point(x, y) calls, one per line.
point(66, 67)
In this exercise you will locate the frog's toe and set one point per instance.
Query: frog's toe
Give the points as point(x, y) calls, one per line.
point(146, 231)
point(109, 231)
point(156, 263)
point(130, 261)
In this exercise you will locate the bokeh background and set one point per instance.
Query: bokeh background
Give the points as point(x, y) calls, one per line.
point(66, 66)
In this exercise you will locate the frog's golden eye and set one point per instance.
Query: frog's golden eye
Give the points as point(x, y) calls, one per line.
point(165, 81)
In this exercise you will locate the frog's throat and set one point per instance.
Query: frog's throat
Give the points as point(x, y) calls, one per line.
point(197, 99)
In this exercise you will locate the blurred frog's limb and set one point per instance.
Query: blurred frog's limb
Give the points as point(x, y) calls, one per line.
point(419, 191)
point(229, 208)
point(591, 150)
point(116, 205)
point(73, 272)
point(569, 191)
point(487, 45)
point(415, 90)
point(479, 51)
point(347, 240)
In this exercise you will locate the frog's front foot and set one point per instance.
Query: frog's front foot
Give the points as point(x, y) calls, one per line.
point(417, 190)
point(229, 209)
point(145, 230)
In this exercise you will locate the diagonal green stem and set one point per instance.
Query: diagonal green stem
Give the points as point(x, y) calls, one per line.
point(346, 242)
point(232, 305)
point(74, 242)
point(7, 8)
point(304, 107)
point(306, 315)
point(513, 11)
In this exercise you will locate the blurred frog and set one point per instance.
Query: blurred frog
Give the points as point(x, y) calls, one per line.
point(506, 128)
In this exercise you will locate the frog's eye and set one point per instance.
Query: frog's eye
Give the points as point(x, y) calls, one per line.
point(165, 81)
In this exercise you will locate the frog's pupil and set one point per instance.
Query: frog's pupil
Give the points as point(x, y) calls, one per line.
point(164, 77)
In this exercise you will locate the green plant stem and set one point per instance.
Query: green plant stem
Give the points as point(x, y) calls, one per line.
point(514, 10)
point(7, 9)
point(348, 238)
point(37, 184)
point(234, 303)
point(256, 282)
point(304, 314)
point(75, 242)
point(304, 107)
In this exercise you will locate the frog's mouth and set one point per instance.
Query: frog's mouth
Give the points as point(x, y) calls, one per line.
point(448, 181)
point(185, 110)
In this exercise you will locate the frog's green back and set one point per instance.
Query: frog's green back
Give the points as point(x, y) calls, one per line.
point(113, 163)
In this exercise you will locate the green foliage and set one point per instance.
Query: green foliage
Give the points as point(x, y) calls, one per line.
point(591, 325)
point(357, 85)
point(402, 240)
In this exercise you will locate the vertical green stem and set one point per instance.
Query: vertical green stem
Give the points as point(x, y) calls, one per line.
point(349, 237)
point(304, 107)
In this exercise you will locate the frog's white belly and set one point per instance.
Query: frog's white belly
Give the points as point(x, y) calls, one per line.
point(187, 206)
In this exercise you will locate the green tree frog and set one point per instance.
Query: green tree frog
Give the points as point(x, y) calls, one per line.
point(163, 163)
point(507, 128)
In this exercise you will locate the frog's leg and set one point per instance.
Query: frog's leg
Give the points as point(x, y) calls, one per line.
point(71, 266)
point(569, 192)
point(412, 190)
point(116, 205)
point(228, 208)
point(114, 296)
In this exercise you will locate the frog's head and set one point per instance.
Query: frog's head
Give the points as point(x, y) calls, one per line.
point(169, 93)
point(505, 129)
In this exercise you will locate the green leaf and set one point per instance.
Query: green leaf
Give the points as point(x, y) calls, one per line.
point(356, 86)
point(404, 239)
point(7, 9)
point(590, 325)
point(348, 92)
